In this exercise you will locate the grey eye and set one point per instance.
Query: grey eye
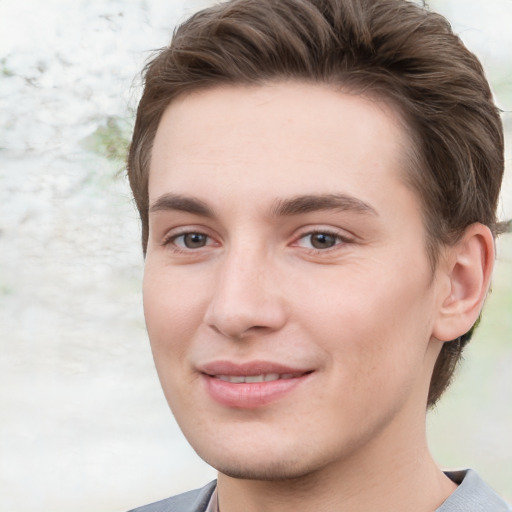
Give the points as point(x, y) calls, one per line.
point(322, 240)
point(194, 240)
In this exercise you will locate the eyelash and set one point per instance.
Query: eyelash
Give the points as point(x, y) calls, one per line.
point(170, 241)
point(339, 240)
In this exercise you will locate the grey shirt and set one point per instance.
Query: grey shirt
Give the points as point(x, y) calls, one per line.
point(471, 495)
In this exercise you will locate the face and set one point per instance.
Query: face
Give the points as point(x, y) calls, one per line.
point(288, 295)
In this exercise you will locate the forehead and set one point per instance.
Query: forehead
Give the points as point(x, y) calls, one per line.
point(281, 138)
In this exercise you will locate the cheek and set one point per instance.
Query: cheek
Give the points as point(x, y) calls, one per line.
point(173, 309)
point(173, 312)
point(373, 324)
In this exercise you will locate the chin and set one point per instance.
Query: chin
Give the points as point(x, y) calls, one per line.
point(252, 456)
point(265, 461)
point(263, 470)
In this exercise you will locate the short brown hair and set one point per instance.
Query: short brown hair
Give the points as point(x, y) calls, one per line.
point(391, 49)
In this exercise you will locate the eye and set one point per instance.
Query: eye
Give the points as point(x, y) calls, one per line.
point(320, 240)
point(192, 240)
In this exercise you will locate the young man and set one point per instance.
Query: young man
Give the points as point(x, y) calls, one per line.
point(317, 182)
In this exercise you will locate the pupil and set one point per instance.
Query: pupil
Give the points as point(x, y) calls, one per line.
point(322, 240)
point(194, 240)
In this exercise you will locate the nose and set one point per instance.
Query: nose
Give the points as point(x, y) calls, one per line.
point(247, 299)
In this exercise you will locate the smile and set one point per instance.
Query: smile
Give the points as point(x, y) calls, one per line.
point(250, 379)
point(250, 385)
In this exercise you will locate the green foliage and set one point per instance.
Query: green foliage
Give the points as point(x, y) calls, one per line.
point(4, 70)
point(5, 289)
point(110, 139)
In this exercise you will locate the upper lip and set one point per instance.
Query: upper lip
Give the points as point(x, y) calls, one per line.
point(250, 368)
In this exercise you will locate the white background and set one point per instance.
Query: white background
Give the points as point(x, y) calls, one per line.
point(83, 423)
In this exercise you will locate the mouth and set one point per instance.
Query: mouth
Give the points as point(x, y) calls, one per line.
point(251, 379)
point(250, 385)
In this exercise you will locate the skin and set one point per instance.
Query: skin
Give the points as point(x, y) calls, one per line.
point(230, 276)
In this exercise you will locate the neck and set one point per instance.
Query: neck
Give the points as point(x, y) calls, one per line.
point(385, 475)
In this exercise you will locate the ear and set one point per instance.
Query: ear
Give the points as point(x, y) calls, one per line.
point(468, 268)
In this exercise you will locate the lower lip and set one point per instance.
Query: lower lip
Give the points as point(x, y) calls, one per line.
point(250, 395)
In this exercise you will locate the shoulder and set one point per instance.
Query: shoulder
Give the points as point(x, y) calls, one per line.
point(472, 495)
point(191, 501)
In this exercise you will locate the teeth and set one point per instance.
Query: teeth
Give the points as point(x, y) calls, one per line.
point(255, 378)
point(266, 377)
point(231, 378)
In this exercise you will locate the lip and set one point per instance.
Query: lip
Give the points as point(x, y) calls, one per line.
point(248, 395)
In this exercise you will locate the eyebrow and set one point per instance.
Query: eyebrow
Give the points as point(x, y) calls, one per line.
point(181, 203)
point(281, 207)
point(310, 203)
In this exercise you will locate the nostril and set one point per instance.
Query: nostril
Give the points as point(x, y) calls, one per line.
point(241, 334)
point(215, 328)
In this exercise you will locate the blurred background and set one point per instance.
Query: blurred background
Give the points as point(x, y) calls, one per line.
point(83, 422)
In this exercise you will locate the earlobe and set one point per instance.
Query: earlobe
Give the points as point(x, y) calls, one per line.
point(469, 269)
